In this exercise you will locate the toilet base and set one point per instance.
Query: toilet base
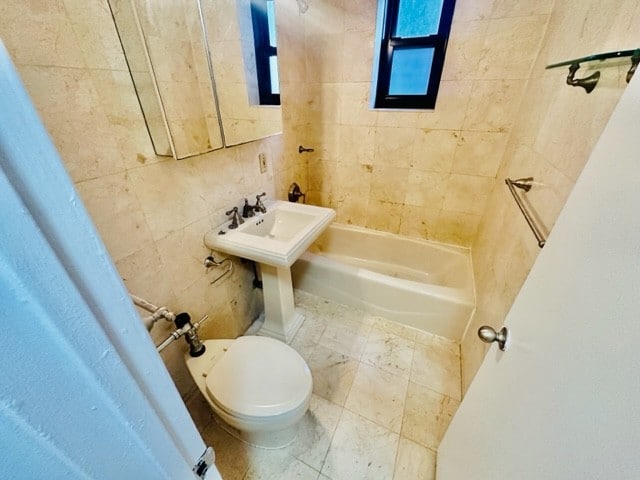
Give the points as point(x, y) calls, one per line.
point(264, 440)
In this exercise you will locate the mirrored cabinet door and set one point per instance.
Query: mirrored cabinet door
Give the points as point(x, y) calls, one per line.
point(194, 67)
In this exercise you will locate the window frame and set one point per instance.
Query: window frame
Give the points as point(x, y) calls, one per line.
point(388, 44)
point(263, 51)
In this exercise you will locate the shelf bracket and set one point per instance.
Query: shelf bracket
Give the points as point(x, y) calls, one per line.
point(590, 82)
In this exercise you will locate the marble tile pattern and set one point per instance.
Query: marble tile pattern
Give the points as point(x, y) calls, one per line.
point(368, 418)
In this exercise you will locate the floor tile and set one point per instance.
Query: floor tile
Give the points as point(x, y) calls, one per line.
point(373, 378)
point(332, 373)
point(381, 323)
point(273, 467)
point(232, 455)
point(437, 367)
point(414, 462)
point(347, 341)
point(360, 450)
point(378, 396)
point(315, 432)
point(309, 333)
point(427, 415)
point(389, 352)
point(426, 338)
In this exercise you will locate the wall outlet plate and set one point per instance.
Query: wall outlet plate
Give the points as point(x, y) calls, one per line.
point(262, 161)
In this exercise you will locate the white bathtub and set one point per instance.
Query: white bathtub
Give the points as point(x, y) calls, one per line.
point(422, 284)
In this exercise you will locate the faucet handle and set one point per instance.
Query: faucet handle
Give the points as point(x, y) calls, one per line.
point(259, 206)
point(236, 219)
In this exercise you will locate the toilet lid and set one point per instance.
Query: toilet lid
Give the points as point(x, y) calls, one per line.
point(259, 377)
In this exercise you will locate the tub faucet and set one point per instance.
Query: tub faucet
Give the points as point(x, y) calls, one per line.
point(259, 206)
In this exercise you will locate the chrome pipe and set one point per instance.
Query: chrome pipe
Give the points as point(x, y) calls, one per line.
point(156, 312)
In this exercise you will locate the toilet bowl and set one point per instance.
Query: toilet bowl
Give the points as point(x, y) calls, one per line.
point(258, 386)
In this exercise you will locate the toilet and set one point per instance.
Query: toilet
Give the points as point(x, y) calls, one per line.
point(258, 386)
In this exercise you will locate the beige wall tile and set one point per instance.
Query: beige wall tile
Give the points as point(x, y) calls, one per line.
point(456, 228)
point(467, 193)
point(356, 144)
point(464, 49)
point(324, 103)
point(359, 15)
point(324, 58)
point(552, 136)
point(357, 55)
point(115, 209)
point(507, 8)
point(45, 25)
point(479, 153)
point(434, 150)
point(493, 105)
point(511, 46)
point(384, 215)
point(451, 105)
point(140, 272)
point(426, 189)
point(354, 210)
point(95, 31)
point(354, 105)
point(388, 183)
point(467, 10)
point(419, 222)
point(393, 146)
point(326, 16)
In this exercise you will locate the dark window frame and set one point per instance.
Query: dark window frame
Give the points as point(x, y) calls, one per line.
point(389, 43)
point(263, 50)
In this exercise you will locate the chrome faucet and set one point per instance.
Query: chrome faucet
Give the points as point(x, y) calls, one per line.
point(247, 210)
point(236, 219)
point(259, 206)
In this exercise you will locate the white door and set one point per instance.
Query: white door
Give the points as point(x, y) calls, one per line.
point(83, 393)
point(563, 402)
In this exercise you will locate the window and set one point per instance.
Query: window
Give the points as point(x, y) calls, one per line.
point(412, 36)
point(264, 35)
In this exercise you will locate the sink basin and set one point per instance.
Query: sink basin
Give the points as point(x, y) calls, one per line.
point(275, 238)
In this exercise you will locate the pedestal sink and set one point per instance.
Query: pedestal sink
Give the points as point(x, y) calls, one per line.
point(275, 239)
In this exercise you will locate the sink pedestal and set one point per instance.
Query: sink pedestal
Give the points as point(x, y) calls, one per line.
point(281, 320)
point(274, 239)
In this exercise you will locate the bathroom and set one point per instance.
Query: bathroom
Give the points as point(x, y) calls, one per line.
point(431, 174)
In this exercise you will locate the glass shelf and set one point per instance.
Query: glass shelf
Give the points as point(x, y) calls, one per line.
point(599, 56)
point(590, 82)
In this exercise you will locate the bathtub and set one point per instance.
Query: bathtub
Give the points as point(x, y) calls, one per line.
point(422, 284)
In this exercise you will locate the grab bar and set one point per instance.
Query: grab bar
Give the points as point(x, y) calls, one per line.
point(525, 184)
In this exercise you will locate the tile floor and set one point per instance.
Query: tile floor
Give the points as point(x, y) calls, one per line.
point(383, 396)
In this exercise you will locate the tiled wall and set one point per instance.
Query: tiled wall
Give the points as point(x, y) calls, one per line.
point(420, 173)
point(440, 174)
point(552, 137)
point(152, 212)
